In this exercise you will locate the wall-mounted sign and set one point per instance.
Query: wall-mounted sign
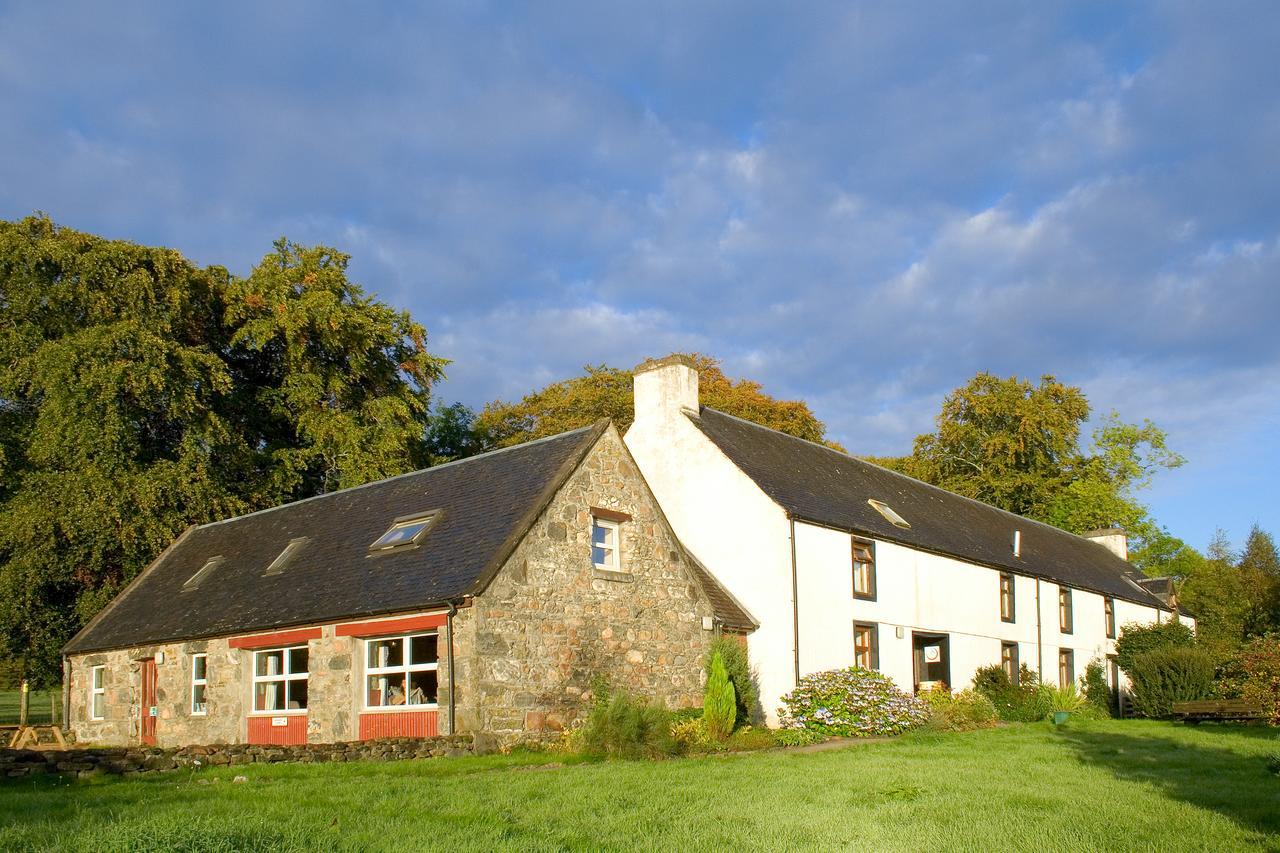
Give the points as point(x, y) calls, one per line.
point(933, 654)
point(280, 722)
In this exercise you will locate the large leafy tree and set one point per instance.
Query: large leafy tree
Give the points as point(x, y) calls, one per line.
point(605, 392)
point(140, 394)
point(1017, 445)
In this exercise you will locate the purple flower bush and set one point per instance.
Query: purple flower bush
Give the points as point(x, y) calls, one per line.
point(852, 702)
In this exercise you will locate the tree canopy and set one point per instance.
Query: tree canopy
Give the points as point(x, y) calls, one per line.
point(140, 394)
point(605, 392)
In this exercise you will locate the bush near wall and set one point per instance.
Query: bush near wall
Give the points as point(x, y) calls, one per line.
point(962, 712)
point(745, 685)
point(1171, 674)
point(1138, 638)
point(853, 702)
point(1260, 664)
point(1023, 702)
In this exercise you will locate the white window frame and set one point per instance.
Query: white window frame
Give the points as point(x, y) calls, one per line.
point(405, 669)
point(200, 709)
point(285, 676)
point(97, 687)
point(616, 549)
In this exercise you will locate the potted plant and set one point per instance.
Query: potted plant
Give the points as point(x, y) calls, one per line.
point(1064, 700)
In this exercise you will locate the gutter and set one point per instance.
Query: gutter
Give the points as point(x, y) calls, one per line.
point(795, 602)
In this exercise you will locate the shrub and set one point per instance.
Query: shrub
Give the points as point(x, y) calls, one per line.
point(965, 711)
point(745, 686)
point(1137, 639)
point(690, 735)
point(1063, 698)
point(1023, 702)
point(719, 702)
point(1260, 661)
point(1167, 675)
point(798, 737)
point(853, 702)
point(752, 737)
point(1096, 690)
point(621, 726)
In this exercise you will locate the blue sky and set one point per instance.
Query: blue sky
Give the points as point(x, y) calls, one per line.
point(858, 205)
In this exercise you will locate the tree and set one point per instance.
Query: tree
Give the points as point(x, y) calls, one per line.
point(1259, 568)
point(605, 392)
point(1016, 445)
point(451, 434)
point(140, 394)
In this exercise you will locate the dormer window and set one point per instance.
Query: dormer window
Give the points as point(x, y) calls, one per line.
point(889, 514)
point(405, 532)
point(280, 563)
point(199, 577)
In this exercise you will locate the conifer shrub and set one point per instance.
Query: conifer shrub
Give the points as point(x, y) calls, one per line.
point(853, 702)
point(719, 702)
point(1169, 674)
point(745, 685)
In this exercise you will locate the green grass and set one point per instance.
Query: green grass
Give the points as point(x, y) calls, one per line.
point(38, 708)
point(1107, 785)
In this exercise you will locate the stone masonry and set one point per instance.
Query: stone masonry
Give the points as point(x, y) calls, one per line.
point(526, 650)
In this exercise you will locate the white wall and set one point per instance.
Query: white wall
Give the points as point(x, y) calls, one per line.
point(726, 522)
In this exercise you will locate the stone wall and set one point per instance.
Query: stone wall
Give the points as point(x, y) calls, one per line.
point(530, 645)
point(133, 761)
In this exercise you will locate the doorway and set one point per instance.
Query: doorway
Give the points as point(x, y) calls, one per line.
point(148, 709)
point(932, 653)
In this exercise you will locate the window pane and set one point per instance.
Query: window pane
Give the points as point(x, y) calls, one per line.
point(197, 699)
point(297, 694)
point(602, 556)
point(861, 578)
point(298, 660)
point(423, 688)
point(268, 696)
point(98, 677)
point(602, 534)
point(98, 705)
point(424, 649)
point(384, 653)
point(269, 663)
point(198, 667)
point(385, 690)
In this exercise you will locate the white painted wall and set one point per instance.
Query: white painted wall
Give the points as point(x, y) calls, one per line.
point(744, 538)
point(722, 517)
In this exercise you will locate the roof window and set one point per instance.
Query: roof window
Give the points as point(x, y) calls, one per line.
point(280, 563)
point(195, 580)
point(890, 516)
point(405, 531)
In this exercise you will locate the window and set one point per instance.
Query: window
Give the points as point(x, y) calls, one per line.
point(866, 645)
point(404, 532)
point(98, 693)
point(1006, 598)
point(280, 679)
point(1066, 667)
point(604, 543)
point(1009, 661)
point(1064, 611)
point(199, 683)
point(1109, 612)
point(402, 671)
point(280, 563)
point(888, 513)
point(864, 570)
point(195, 580)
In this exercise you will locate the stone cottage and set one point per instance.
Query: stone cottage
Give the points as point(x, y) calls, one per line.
point(481, 595)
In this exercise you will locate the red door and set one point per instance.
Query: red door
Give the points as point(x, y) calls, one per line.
point(148, 727)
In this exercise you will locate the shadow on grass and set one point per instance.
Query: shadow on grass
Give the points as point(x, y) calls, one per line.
point(1237, 785)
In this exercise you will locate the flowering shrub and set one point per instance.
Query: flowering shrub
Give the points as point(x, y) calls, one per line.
point(852, 702)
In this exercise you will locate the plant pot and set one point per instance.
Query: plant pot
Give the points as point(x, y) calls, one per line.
point(1060, 717)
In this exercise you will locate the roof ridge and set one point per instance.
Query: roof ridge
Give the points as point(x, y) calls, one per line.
point(418, 472)
point(915, 480)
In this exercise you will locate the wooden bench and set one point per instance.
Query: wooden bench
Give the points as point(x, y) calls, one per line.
point(1218, 709)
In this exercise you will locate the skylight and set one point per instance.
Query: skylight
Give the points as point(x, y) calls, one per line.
point(196, 579)
point(890, 516)
point(405, 531)
point(280, 563)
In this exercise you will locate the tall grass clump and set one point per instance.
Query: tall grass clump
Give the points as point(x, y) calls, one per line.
point(621, 726)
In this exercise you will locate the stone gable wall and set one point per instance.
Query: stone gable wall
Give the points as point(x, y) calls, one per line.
point(530, 646)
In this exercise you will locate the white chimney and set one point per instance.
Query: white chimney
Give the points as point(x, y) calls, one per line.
point(1113, 539)
point(664, 387)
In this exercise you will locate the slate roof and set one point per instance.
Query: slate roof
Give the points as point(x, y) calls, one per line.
point(487, 505)
point(815, 483)
point(728, 609)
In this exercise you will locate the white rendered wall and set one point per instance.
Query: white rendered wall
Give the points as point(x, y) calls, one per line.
point(724, 519)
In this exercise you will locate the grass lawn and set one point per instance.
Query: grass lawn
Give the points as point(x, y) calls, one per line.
point(1113, 785)
point(39, 711)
